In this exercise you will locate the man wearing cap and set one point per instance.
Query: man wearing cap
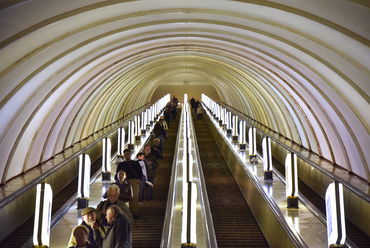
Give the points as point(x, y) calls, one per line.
point(88, 217)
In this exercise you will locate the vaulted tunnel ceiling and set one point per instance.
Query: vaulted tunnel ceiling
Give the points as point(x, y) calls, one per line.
point(69, 68)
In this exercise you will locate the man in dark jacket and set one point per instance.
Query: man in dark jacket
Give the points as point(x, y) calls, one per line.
point(88, 217)
point(158, 130)
point(119, 230)
point(156, 149)
point(134, 176)
point(152, 165)
point(113, 198)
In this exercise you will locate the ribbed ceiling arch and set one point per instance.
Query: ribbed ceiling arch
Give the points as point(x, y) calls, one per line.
point(300, 69)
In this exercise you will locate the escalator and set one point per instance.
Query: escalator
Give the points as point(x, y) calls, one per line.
point(234, 223)
point(147, 231)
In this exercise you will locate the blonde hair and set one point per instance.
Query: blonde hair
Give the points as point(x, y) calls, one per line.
point(80, 227)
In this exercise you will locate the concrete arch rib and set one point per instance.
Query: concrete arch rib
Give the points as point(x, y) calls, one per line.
point(80, 65)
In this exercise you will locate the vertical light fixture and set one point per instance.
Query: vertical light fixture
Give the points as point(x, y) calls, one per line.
point(131, 135)
point(267, 158)
point(213, 109)
point(221, 117)
point(106, 157)
point(224, 119)
point(121, 141)
point(235, 133)
point(147, 119)
point(252, 145)
point(291, 180)
point(137, 129)
point(143, 123)
point(184, 174)
point(151, 114)
point(155, 112)
point(41, 230)
point(155, 109)
point(188, 235)
point(83, 192)
point(228, 123)
point(242, 134)
point(335, 221)
point(217, 112)
point(193, 215)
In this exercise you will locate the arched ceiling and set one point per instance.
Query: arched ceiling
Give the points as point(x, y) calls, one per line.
point(69, 68)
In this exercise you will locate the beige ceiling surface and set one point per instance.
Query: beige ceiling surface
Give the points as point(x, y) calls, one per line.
point(69, 68)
